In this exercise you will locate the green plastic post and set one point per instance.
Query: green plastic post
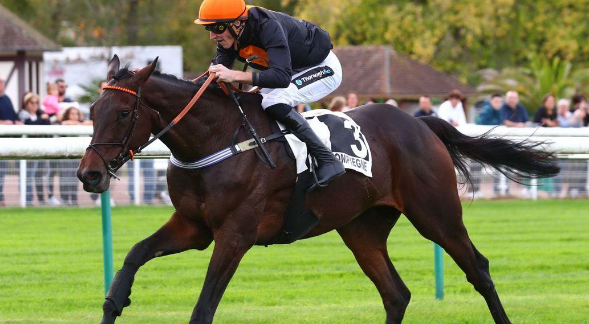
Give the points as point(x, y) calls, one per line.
point(439, 271)
point(107, 239)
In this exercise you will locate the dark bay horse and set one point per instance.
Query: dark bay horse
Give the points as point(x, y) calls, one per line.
point(240, 202)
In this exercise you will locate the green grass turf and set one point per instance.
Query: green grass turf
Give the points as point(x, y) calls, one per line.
point(51, 270)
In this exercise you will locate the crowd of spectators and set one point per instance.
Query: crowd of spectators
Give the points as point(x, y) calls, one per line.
point(55, 108)
point(551, 113)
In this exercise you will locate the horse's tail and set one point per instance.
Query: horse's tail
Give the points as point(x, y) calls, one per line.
point(512, 158)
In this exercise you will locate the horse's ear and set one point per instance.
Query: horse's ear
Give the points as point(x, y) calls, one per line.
point(146, 72)
point(113, 67)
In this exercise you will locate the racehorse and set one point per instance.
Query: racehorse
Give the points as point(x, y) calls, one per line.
point(241, 201)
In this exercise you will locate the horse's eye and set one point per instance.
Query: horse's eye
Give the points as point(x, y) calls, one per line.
point(124, 114)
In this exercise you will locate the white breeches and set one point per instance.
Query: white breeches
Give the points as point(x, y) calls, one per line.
point(307, 86)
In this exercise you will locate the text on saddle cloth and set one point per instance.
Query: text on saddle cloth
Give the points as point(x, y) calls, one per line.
point(341, 134)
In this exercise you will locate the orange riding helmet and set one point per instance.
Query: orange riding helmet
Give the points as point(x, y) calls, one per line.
point(215, 11)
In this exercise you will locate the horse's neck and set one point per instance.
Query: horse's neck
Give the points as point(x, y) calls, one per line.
point(207, 128)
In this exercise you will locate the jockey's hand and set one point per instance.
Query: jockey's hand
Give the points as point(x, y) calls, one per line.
point(223, 74)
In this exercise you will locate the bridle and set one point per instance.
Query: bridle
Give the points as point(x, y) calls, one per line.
point(125, 154)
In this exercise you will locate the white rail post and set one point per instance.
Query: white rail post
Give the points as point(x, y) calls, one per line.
point(534, 189)
point(23, 183)
point(136, 182)
point(502, 185)
point(587, 185)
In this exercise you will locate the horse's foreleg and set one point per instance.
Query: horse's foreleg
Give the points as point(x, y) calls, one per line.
point(177, 235)
point(229, 250)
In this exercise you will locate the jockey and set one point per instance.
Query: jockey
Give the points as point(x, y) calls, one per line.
point(295, 59)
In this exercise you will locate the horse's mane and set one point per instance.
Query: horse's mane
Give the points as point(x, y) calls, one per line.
point(127, 72)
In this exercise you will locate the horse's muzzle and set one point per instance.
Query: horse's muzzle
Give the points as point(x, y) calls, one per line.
point(94, 181)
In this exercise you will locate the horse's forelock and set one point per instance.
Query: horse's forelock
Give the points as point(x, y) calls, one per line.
point(124, 73)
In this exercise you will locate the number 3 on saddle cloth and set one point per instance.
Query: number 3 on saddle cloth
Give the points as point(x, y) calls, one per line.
point(342, 135)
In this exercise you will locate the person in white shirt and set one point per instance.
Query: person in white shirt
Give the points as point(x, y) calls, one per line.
point(352, 101)
point(451, 110)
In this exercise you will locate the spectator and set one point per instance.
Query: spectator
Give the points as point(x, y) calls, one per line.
point(73, 116)
point(565, 184)
point(451, 110)
point(352, 101)
point(576, 118)
point(62, 88)
point(425, 107)
point(7, 117)
point(68, 183)
point(55, 165)
point(337, 103)
point(51, 100)
point(392, 102)
point(577, 101)
point(563, 115)
point(367, 102)
point(578, 185)
point(513, 114)
point(565, 119)
point(546, 114)
point(30, 114)
point(7, 114)
point(491, 114)
point(582, 114)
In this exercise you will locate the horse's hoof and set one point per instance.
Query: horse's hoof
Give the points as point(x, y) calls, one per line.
point(110, 312)
point(108, 320)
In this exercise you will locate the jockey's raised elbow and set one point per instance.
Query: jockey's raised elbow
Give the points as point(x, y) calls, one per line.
point(281, 80)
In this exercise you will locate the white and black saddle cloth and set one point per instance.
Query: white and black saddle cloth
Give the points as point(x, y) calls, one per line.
point(340, 134)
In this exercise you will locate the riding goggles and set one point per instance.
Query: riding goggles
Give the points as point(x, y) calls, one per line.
point(218, 28)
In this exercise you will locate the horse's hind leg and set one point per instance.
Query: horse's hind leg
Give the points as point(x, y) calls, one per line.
point(440, 219)
point(177, 235)
point(366, 236)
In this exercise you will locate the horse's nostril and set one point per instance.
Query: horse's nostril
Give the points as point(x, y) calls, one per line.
point(92, 177)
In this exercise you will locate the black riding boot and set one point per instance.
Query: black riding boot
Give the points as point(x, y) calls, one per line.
point(329, 167)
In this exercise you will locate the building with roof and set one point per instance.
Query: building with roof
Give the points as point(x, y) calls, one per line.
point(380, 72)
point(21, 56)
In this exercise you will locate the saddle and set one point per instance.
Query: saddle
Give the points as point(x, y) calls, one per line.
point(343, 136)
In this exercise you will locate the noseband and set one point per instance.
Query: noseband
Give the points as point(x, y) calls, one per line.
point(125, 154)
